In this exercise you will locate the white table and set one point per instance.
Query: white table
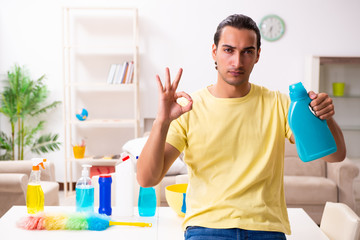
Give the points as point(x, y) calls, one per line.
point(302, 226)
point(166, 225)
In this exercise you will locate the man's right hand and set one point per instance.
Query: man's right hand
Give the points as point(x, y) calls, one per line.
point(157, 156)
point(169, 108)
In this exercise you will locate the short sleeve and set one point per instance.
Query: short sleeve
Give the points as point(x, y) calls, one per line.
point(285, 100)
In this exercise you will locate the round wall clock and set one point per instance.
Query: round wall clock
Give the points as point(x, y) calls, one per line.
point(272, 27)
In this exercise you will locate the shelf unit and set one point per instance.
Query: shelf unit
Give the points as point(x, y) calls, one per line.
point(326, 70)
point(93, 39)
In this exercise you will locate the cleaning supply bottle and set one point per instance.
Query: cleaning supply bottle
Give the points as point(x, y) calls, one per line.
point(313, 137)
point(147, 202)
point(105, 181)
point(85, 191)
point(125, 181)
point(35, 194)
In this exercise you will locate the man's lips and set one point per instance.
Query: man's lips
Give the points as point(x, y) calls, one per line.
point(236, 72)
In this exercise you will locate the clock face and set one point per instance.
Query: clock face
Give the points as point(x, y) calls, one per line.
point(272, 27)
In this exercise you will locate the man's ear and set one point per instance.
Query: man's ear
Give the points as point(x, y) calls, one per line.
point(258, 55)
point(214, 49)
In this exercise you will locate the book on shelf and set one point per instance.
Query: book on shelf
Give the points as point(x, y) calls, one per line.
point(118, 73)
point(111, 74)
point(130, 75)
point(121, 73)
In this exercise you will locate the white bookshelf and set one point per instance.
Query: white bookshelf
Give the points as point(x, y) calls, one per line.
point(328, 69)
point(93, 39)
point(323, 71)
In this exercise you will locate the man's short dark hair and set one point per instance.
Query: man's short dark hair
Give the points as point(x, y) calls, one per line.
point(238, 21)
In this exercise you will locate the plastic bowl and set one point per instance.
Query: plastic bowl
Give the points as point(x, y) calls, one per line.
point(175, 196)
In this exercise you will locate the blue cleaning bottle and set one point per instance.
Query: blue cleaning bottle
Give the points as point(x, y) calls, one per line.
point(85, 191)
point(313, 137)
point(105, 181)
point(147, 202)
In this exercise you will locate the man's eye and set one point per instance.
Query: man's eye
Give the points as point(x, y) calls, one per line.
point(228, 50)
point(248, 51)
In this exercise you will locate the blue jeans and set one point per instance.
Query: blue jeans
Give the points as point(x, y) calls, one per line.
point(201, 233)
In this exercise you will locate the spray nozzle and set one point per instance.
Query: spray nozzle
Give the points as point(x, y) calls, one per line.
point(124, 156)
point(85, 171)
point(38, 162)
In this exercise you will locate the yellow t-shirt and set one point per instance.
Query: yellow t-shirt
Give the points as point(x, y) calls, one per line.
point(234, 149)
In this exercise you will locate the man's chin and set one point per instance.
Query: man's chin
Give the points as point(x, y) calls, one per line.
point(236, 82)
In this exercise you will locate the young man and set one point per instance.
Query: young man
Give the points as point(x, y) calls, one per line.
point(233, 135)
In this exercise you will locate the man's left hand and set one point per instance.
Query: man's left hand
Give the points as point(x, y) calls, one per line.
point(322, 105)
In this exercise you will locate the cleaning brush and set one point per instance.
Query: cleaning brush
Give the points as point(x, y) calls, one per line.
point(74, 221)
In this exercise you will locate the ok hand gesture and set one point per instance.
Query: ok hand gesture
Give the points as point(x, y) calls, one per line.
point(169, 109)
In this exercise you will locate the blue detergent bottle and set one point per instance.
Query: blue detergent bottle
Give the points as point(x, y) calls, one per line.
point(313, 137)
point(105, 181)
point(85, 191)
point(147, 202)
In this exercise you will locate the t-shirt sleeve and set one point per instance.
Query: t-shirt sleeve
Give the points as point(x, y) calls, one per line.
point(285, 100)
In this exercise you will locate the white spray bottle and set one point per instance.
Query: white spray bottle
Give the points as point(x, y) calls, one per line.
point(125, 180)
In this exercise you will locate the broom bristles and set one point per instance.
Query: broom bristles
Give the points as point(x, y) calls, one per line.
point(54, 221)
point(35, 222)
point(76, 221)
point(98, 222)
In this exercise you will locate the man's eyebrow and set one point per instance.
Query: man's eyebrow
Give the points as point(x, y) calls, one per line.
point(227, 46)
point(232, 47)
point(248, 48)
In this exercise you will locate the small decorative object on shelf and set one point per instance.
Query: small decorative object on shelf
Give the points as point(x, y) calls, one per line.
point(79, 150)
point(338, 89)
point(83, 115)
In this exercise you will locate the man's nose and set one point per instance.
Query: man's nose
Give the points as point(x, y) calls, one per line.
point(237, 60)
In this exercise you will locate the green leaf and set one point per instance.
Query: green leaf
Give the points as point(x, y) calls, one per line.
point(46, 143)
point(5, 144)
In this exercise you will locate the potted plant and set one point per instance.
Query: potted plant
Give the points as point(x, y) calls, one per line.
point(22, 101)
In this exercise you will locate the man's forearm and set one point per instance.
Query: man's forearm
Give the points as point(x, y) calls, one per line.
point(150, 165)
point(340, 154)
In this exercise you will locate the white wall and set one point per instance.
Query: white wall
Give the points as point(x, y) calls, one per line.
point(179, 34)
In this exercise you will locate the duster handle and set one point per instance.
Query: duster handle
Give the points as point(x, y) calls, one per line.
point(137, 224)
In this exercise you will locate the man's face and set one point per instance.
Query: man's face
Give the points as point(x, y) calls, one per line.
point(236, 55)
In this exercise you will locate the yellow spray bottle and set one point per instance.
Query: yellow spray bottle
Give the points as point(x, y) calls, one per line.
point(35, 194)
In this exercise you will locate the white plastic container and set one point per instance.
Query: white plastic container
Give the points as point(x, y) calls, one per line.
point(124, 187)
